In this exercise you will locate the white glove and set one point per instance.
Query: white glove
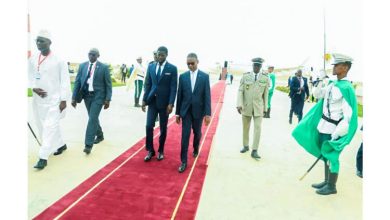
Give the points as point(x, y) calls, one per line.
point(334, 136)
point(322, 75)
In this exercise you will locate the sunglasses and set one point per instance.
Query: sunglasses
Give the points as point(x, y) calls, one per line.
point(92, 54)
point(192, 63)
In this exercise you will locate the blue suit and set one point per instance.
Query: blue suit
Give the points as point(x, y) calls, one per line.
point(297, 97)
point(102, 91)
point(160, 91)
point(192, 106)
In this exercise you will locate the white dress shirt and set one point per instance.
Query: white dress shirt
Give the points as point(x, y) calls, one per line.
point(193, 79)
point(140, 71)
point(162, 67)
point(338, 109)
point(90, 80)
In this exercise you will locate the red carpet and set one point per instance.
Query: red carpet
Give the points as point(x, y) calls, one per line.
point(129, 188)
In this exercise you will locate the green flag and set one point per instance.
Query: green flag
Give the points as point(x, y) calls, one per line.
point(306, 133)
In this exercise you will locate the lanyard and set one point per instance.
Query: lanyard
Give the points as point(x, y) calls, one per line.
point(41, 61)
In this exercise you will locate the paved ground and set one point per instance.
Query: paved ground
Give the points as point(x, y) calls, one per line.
point(236, 186)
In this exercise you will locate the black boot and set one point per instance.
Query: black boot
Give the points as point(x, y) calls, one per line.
point(330, 187)
point(269, 113)
point(290, 120)
point(136, 104)
point(320, 185)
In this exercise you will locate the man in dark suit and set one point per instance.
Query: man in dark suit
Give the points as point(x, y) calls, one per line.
point(93, 84)
point(159, 96)
point(298, 89)
point(193, 104)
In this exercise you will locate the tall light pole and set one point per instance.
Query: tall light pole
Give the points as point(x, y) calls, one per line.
point(324, 39)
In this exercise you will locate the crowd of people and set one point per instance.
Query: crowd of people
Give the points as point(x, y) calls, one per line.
point(324, 131)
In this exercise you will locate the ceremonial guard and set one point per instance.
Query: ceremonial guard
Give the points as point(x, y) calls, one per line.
point(331, 124)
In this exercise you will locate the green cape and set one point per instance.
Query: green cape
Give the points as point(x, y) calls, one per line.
point(307, 135)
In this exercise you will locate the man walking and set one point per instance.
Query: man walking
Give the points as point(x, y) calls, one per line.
point(192, 106)
point(93, 84)
point(50, 83)
point(331, 124)
point(139, 73)
point(271, 76)
point(298, 89)
point(252, 102)
point(159, 96)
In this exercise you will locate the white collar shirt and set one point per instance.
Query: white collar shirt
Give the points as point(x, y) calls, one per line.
point(90, 80)
point(193, 78)
point(162, 67)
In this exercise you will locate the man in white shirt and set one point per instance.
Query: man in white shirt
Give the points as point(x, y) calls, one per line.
point(50, 82)
point(139, 74)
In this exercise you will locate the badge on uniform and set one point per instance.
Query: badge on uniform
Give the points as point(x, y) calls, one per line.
point(37, 75)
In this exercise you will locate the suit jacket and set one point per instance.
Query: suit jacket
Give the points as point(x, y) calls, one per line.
point(162, 91)
point(197, 101)
point(102, 85)
point(253, 95)
point(294, 88)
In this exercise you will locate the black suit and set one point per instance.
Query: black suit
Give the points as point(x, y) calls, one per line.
point(192, 106)
point(297, 96)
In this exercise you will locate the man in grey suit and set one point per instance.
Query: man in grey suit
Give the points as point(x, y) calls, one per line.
point(93, 84)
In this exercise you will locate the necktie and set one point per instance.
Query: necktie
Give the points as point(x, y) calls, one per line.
point(256, 77)
point(89, 71)
point(86, 84)
point(158, 71)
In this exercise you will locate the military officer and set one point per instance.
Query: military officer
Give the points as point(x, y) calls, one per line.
point(252, 101)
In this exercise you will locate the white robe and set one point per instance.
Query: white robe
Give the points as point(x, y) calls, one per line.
point(55, 80)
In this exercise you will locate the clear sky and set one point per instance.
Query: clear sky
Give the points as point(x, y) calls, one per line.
point(284, 33)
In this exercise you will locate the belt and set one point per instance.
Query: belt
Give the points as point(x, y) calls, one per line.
point(141, 76)
point(90, 93)
point(331, 120)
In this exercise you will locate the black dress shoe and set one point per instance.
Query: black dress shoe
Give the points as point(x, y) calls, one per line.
point(98, 140)
point(255, 155)
point(149, 156)
point(41, 164)
point(195, 154)
point(60, 150)
point(290, 121)
point(245, 149)
point(160, 156)
point(182, 167)
point(87, 149)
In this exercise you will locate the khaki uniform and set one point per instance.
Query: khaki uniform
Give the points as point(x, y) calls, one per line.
point(253, 98)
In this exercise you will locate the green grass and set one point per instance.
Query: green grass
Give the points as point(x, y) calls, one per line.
point(287, 90)
point(114, 84)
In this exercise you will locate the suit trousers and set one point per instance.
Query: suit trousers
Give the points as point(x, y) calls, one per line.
point(359, 158)
point(152, 113)
point(196, 124)
point(93, 128)
point(246, 124)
